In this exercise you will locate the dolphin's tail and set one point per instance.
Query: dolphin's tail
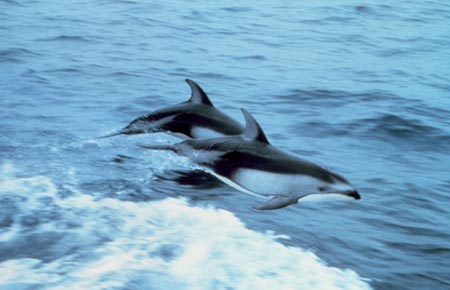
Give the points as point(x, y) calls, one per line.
point(159, 147)
point(126, 131)
point(111, 135)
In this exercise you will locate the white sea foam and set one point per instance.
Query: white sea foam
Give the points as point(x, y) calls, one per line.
point(168, 244)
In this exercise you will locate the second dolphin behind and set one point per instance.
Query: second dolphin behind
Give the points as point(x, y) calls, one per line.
point(194, 118)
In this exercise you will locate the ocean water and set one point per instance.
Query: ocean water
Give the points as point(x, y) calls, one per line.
point(361, 87)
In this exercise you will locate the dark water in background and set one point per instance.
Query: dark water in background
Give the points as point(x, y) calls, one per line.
point(363, 88)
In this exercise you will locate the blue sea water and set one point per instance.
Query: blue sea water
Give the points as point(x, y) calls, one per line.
point(362, 87)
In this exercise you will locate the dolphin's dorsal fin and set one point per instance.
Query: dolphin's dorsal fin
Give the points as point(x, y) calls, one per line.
point(253, 131)
point(198, 96)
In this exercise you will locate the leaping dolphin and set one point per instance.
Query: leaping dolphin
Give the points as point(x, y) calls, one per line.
point(249, 163)
point(194, 118)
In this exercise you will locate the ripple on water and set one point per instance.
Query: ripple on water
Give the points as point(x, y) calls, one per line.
point(393, 128)
point(116, 188)
point(64, 37)
point(337, 96)
point(16, 55)
point(12, 2)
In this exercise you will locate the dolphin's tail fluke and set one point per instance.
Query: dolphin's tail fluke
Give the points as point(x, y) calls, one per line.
point(159, 147)
point(124, 131)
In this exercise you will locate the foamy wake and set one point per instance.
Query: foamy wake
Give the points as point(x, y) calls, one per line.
point(167, 244)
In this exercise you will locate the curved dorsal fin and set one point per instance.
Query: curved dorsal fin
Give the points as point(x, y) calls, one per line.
point(253, 131)
point(198, 96)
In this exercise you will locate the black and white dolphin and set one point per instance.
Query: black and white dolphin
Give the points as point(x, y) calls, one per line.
point(194, 118)
point(250, 164)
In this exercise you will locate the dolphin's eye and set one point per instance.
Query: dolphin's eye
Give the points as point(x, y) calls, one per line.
point(322, 188)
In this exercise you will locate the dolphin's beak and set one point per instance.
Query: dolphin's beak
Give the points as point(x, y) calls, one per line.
point(353, 193)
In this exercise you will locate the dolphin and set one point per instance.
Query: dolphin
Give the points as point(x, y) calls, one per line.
point(194, 118)
point(249, 163)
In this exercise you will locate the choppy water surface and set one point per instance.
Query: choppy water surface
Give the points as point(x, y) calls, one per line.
point(362, 88)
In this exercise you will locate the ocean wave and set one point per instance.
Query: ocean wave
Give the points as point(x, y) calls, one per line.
point(68, 70)
point(89, 243)
point(15, 54)
point(409, 134)
point(256, 57)
point(64, 37)
point(392, 127)
point(397, 126)
point(11, 2)
point(337, 97)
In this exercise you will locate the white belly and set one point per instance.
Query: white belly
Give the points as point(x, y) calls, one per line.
point(270, 183)
point(200, 132)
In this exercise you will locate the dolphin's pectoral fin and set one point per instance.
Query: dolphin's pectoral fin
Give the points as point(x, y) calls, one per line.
point(179, 125)
point(278, 201)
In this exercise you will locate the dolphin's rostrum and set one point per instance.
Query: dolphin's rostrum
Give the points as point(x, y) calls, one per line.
point(194, 118)
point(249, 163)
